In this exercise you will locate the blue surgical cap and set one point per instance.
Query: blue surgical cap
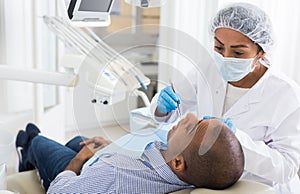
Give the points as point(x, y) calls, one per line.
point(248, 20)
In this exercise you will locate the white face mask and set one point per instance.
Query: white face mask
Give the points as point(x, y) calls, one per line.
point(233, 69)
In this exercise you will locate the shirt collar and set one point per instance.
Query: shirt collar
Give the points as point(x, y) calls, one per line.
point(153, 155)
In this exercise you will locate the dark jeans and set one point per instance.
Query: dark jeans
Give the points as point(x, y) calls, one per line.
point(50, 157)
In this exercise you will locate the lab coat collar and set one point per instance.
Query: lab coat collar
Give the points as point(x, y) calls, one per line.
point(219, 96)
point(254, 95)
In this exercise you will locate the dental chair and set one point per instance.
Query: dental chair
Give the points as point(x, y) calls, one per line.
point(29, 183)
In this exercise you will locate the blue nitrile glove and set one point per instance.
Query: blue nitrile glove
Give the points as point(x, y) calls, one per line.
point(226, 121)
point(167, 100)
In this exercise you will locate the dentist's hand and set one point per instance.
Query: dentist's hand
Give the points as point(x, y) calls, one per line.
point(167, 100)
point(226, 121)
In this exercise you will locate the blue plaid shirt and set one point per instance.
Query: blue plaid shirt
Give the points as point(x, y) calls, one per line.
point(117, 173)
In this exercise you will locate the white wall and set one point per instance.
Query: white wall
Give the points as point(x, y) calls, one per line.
point(28, 43)
point(18, 46)
point(189, 17)
point(2, 37)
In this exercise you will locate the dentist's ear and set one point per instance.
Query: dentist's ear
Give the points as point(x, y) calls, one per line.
point(178, 164)
point(263, 54)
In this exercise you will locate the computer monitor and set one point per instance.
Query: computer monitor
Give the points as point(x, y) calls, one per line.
point(90, 11)
point(146, 3)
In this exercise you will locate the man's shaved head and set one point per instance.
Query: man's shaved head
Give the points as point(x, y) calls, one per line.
point(214, 158)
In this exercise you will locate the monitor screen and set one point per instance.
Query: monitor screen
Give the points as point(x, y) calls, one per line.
point(95, 5)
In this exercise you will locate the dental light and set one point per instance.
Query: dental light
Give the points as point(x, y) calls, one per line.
point(146, 3)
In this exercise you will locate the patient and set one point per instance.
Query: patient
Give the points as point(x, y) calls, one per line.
point(199, 153)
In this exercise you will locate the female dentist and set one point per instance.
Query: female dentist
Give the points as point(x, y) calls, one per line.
point(263, 105)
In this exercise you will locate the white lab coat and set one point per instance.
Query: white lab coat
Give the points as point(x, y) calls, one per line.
point(267, 119)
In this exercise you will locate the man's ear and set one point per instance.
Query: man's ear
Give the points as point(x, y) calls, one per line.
point(178, 164)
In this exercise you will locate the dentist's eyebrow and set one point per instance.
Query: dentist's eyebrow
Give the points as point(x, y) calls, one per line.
point(239, 46)
point(219, 41)
point(233, 46)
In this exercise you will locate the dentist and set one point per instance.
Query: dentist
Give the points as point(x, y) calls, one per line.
point(263, 105)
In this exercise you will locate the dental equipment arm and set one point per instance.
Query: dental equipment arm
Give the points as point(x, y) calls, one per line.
point(104, 70)
point(114, 69)
point(38, 76)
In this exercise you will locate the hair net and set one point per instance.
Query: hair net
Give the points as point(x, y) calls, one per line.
point(248, 20)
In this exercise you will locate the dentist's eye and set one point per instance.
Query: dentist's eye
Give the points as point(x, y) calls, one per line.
point(238, 53)
point(218, 48)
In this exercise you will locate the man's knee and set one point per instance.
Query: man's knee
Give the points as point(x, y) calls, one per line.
point(37, 140)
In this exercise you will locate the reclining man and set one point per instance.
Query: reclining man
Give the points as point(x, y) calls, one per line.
point(199, 153)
